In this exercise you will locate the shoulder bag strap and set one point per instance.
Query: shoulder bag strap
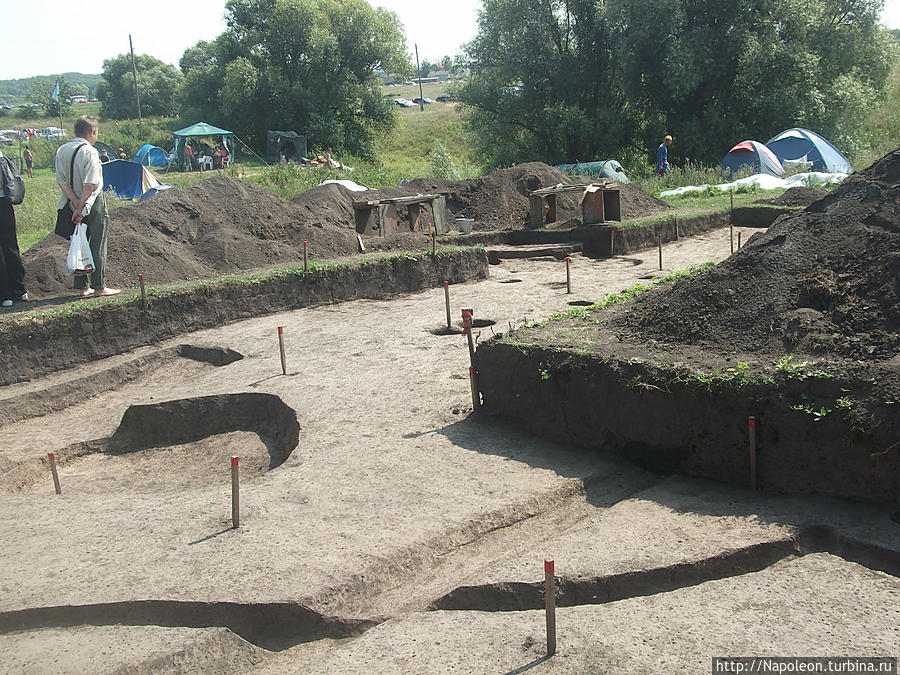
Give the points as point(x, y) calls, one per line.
point(72, 167)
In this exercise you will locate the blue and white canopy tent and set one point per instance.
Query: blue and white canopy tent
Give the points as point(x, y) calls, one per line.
point(201, 130)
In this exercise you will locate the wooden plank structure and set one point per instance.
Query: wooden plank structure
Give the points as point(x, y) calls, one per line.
point(600, 202)
point(381, 215)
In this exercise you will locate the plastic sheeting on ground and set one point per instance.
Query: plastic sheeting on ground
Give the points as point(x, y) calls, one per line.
point(765, 182)
point(349, 184)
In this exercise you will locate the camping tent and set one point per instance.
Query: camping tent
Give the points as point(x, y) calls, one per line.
point(754, 155)
point(150, 155)
point(608, 169)
point(100, 146)
point(805, 145)
point(129, 179)
point(288, 143)
point(201, 130)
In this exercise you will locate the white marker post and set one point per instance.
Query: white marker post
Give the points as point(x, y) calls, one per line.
point(281, 348)
point(752, 423)
point(550, 606)
point(55, 474)
point(235, 493)
point(568, 275)
point(447, 301)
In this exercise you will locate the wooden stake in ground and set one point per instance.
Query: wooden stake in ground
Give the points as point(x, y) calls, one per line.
point(676, 228)
point(612, 241)
point(731, 234)
point(568, 275)
point(433, 240)
point(739, 241)
point(467, 329)
point(447, 300)
point(752, 425)
point(143, 292)
point(235, 493)
point(550, 606)
point(281, 349)
point(52, 458)
point(305, 258)
point(659, 239)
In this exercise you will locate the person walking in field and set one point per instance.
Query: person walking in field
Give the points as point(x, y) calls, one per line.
point(29, 162)
point(83, 187)
point(662, 157)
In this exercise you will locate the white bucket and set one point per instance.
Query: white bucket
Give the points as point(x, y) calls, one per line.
point(465, 225)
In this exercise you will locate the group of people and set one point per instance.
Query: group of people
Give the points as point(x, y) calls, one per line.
point(104, 156)
point(80, 179)
point(194, 158)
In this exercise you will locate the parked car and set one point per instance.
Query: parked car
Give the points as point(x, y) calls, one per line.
point(445, 98)
point(53, 132)
point(403, 103)
point(5, 140)
point(422, 100)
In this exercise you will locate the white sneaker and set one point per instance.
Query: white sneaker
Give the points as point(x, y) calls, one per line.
point(6, 303)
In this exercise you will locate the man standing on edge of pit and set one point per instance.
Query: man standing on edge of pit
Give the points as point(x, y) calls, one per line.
point(84, 188)
point(662, 157)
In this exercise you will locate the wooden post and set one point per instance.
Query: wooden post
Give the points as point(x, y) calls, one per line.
point(568, 275)
point(659, 239)
point(143, 292)
point(281, 348)
point(550, 606)
point(467, 327)
point(55, 474)
point(612, 241)
point(676, 228)
point(447, 301)
point(739, 240)
point(752, 424)
point(305, 258)
point(235, 493)
point(731, 233)
point(433, 241)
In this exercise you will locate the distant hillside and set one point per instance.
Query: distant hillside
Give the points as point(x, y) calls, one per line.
point(13, 92)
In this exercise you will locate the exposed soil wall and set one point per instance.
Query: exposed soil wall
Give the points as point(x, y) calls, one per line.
point(35, 346)
point(682, 425)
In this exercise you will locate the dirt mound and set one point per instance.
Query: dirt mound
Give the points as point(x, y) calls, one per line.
point(826, 279)
point(217, 226)
point(796, 196)
point(223, 225)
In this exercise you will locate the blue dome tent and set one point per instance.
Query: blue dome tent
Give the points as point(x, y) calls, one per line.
point(805, 145)
point(129, 180)
point(609, 168)
point(754, 155)
point(150, 155)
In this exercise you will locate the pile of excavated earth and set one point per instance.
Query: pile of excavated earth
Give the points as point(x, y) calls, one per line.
point(224, 225)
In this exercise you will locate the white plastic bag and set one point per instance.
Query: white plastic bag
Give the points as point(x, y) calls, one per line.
point(79, 260)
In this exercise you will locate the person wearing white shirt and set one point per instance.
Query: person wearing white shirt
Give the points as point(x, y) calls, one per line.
point(83, 187)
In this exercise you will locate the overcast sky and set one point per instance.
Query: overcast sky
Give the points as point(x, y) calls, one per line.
point(44, 37)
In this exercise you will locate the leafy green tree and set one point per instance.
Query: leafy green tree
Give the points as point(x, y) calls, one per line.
point(543, 83)
point(42, 94)
point(441, 164)
point(157, 83)
point(579, 79)
point(305, 65)
point(716, 73)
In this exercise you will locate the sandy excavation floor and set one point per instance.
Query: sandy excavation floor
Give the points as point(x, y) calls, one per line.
point(398, 498)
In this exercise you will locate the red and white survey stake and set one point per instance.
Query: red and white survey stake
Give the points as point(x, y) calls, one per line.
point(550, 605)
point(568, 275)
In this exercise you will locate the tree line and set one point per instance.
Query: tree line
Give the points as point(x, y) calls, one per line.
point(549, 80)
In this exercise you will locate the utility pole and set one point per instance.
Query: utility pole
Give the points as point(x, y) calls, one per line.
point(419, 75)
point(134, 75)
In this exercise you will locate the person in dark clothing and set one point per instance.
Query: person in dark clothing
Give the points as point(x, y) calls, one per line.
point(12, 271)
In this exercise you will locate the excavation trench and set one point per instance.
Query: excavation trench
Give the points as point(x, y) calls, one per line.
point(518, 596)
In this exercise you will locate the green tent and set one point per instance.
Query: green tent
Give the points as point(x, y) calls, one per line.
point(201, 130)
